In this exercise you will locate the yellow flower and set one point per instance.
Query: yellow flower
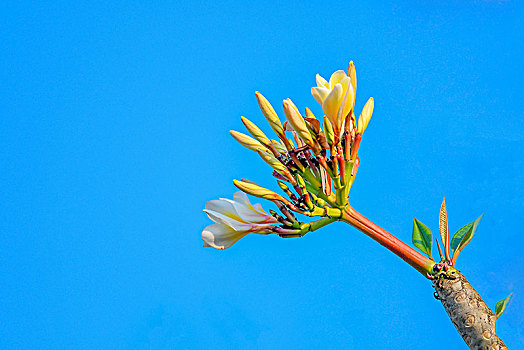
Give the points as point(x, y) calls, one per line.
point(337, 97)
point(233, 220)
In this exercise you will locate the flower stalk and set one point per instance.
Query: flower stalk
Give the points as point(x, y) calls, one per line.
point(386, 239)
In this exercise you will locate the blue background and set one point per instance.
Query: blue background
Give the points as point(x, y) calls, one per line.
point(114, 133)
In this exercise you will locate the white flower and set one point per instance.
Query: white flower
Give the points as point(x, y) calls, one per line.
point(337, 97)
point(233, 220)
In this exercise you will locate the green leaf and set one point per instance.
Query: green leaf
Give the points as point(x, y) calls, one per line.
point(501, 306)
point(422, 237)
point(457, 237)
point(466, 238)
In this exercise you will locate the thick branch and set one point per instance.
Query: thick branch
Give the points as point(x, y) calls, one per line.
point(471, 316)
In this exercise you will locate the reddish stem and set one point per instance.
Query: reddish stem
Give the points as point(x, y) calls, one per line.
point(342, 168)
point(356, 144)
point(439, 250)
point(392, 243)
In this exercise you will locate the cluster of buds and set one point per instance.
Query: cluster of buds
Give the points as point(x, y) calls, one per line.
point(315, 162)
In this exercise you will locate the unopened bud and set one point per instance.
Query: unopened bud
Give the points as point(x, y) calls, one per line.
point(365, 115)
point(255, 131)
point(269, 113)
point(297, 123)
point(258, 191)
point(279, 146)
point(309, 114)
point(283, 186)
point(352, 74)
point(301, 182)
point(273, 162)
point(247, 141)
point(328, 131)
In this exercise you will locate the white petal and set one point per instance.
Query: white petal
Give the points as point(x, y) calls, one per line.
point(220, 218)
point(336, 78)
point(250, 215)
point(244, 208)
point(321, 82)
point(241, 197)
point(320, 93)
point(258, 208)
point(221, 236)
point(222, 206)
point(332, 103)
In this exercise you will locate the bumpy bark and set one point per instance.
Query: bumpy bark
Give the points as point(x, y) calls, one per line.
point(471, 316)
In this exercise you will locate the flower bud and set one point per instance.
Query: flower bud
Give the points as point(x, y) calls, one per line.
point(273, 162)
point(279, 146)
point(258, 191)
point(269, 113)
point(309, 114)
point(352, 73)
point(328, 131)
point(298, 124)
point(283, 186)
point(365, 115)
point(247, 141)
point(255, 131)
point(300, 182)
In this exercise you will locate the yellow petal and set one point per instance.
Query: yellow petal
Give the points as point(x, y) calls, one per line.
point(345, 83)
point(331, 105)
point(347, 104)
point(336, 78)
point(269, 113)
point(320, 93)
point(247, 141)
point(365, 116)
point(321, 82)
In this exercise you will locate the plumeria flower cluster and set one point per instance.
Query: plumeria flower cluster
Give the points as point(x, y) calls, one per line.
point(314, 161)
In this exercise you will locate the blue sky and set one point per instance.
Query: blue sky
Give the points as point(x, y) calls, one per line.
point(114, 133)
